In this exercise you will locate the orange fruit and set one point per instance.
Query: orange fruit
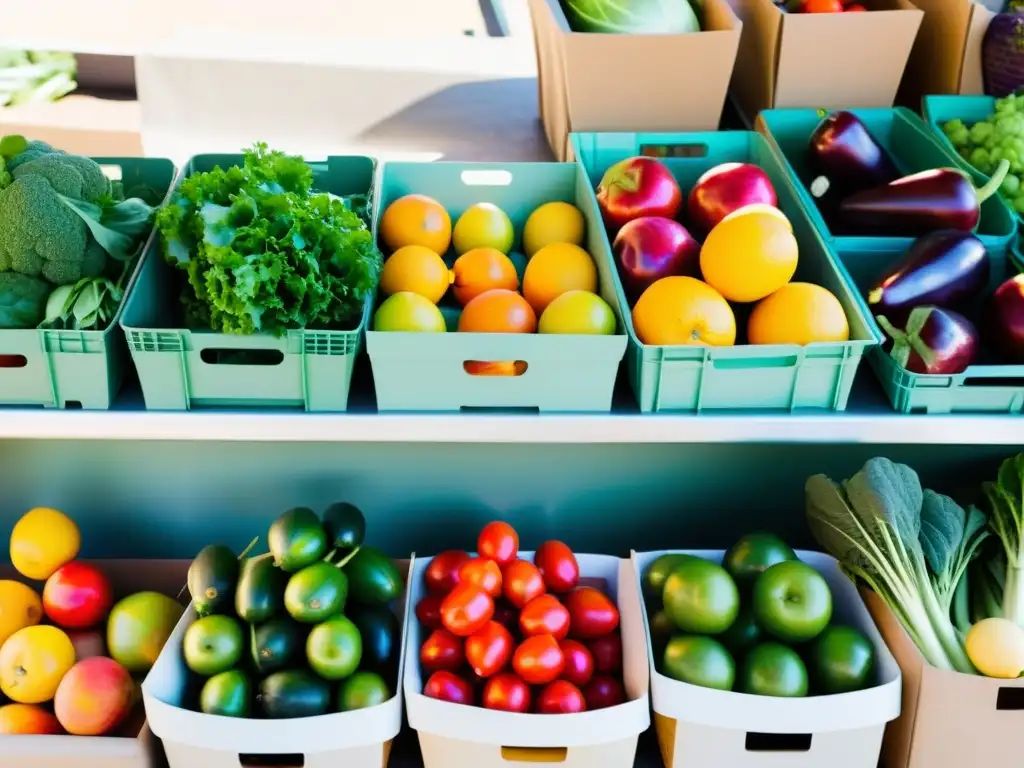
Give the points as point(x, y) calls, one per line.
point(498, 311)
point(42, 541)
point(416, 220)
point(556, 269)
point(683, 311)
point(482, 269)
point(417, 269)
point(750, 256)
point(579, 312)
point(764, 208)
point(798, 313)
point(27, 720)
point(555, 222)
point(20, 607)
point(32, 663)
point(483, 225)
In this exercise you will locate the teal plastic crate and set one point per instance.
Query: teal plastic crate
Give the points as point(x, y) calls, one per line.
point(85, 369)
point(563, 373)
point(913, 148)
point(987, 387)
point(181, 369)
point(743, 377)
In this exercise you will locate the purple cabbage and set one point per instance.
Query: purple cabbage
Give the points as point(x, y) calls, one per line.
point(1002, 54)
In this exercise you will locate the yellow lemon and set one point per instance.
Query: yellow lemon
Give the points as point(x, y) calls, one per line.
point(32, 663)
point(407, 311)
point(748, 257)
point(798, 313)
point(580, 312)
point(555, 222)
point(996, 648)
point(42, 541)
point(417, 269)
point(483, 225)
point(20, 607)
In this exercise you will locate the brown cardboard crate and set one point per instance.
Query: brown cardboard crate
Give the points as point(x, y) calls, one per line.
point(604, 82)
point(134, 746)
point(821, 60)
point(85, 125)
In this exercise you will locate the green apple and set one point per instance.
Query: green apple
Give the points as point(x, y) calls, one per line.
point(700, 597)
point(841, 660)
point(752, 555)
point(772, 669)
point(792, 601)
point(407, 311)
point(699, 661)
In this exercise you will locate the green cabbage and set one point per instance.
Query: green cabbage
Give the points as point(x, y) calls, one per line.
point(631, 17)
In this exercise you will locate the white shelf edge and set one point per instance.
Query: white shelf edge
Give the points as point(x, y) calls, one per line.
point(475, 428)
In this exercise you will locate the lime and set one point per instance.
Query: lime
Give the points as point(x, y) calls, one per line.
point(228, 694)
point(656, 574)
point(363, 689)
point(699, 661)
point(744, 633)
point(213, 644)
point(842, 660)
point(749, 557)
point(772, 669)
point(334, 648)
point(701, 597)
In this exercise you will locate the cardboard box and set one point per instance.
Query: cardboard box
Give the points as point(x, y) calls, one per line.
point(133, 745)
point(949, 719)
point(458, 736)
point(84, 125)
point(821, 60)
point(946, 58)
point(358, 739)
point(705, 728)
point(603, 82)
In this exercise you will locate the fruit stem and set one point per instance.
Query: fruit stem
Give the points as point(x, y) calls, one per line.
point(900, 345)
point(248, 549)
point(344, 561)
point(993, 184)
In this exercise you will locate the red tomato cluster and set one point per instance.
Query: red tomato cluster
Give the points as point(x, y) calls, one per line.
point(516, 636)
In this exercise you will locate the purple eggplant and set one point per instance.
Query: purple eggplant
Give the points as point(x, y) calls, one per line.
point(1002, 55)
point(947, 269)
point(846, 157)
point(933, 341)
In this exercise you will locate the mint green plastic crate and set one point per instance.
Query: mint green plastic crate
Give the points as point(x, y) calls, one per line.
point(913, 148)
point(743, 377)
point(66, 369)
point(564, 373)
point(181, 369)
point(987, 387)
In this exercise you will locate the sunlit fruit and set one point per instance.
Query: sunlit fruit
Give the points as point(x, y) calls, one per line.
point(32, 663)
point(94, 697)
point(749, 256)
point(483, 225)
point(996, 647)
point(554, 222)
point(410, 312)
point(416, 220)
point(27, 720)
point(798, 313)
point(579, 312)
point(42, 541)
point(498, 311)
point(700, 597)
point(699, 660)
point(684, 311)
point(480, 270)
point(138, 628)
point(417, 269)
point(495, 367)
point(77, 596)
point(792, 601)
point(20, 607)
point(556, 269)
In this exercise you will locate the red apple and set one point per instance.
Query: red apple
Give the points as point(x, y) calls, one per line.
point(636, 187)
point(94, 697)
point(1007, 308)
point(727, 188)
point(652, 247)
point(77, 596)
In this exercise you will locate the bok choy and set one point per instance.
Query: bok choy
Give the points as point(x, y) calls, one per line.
point(909, 545)
point(1006, 518)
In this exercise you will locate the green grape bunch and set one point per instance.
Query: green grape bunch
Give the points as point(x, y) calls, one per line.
point(999, 137)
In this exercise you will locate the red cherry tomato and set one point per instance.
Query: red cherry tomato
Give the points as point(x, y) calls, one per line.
point(523, 582)
point(557, 564)
point(466, 609)
point(507, 693)
point(442, 650)
point(561, 698)
point(483, 573)
point(498, 542)
point(77, 596)
point(593, 613)
point(507, 616)
point(607, 652)
point(579, 663)
point(489, 649)
point(544, 615)
point(538, 660)
point(442, 573)
point(448, 687)
point(603, 691)
point(428, 611)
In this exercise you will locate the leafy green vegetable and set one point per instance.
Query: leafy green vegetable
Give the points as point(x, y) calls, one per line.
point(263, 252)
point(28, 77)
point(22, 300)
point(1006, 518)
point(631, 17)
point(910, 546)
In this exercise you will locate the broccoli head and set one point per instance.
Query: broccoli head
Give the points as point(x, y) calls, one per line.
point(71, 175)
point(22, 300)
point(42, 237)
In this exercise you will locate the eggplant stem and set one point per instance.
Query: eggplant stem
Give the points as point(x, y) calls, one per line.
point(819, 186)
point(248, 549)
point(993, 184)
point(900, 351)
